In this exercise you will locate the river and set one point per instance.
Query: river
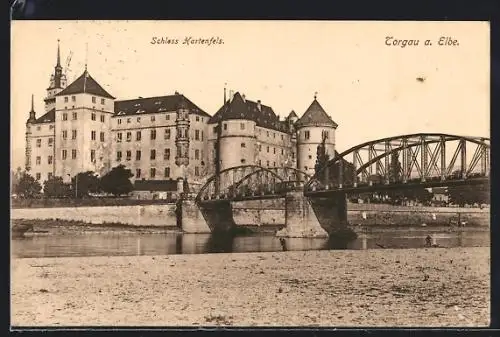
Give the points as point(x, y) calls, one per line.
point(128, 244)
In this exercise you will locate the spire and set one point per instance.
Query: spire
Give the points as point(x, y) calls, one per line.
point(58, 55)
point(225, 93)
point(86, 55)
point(32, 103)
point(32, 115)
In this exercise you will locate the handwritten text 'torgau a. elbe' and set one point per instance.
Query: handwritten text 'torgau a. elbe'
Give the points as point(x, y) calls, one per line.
point(187, 41)
point(442, 41)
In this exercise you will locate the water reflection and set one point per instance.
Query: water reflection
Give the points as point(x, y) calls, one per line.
point(164, 244)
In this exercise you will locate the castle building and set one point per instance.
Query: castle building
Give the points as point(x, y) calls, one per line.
point(166, 137)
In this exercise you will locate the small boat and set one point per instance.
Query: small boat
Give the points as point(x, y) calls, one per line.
point(19, 230)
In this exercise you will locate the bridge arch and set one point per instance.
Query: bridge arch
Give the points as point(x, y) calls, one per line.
point(419, 157)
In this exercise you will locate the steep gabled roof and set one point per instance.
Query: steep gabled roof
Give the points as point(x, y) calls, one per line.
point(240, 108)
point(315, 115)
point(156, 104)
point(85, 84)
point(49, 117)
point(292, 114)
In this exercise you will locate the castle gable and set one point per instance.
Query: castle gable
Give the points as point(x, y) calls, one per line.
point(85, 84)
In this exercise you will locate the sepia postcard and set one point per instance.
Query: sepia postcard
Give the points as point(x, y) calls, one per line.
point(250, 174)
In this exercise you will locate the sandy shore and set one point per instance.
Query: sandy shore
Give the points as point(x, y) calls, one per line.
point(406, 287)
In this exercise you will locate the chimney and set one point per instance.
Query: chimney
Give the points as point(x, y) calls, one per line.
point(258, 105)
point(243, 96)
point(176, 92)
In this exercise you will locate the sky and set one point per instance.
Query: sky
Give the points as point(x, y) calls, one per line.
point(370, 89)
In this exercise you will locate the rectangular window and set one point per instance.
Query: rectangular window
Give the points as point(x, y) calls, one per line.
point(268, 133)
point(38, 176)
point(73, 154)
point(118, 155)
point(282, 152)
point(102, 101)
point(138, 119)
point(51, 141)
point(167, 172)
point(215, 130)
point(306, 134)
point(167, 117)
point(38, 128)
point(225, 126)
point(66, 99)
point(73, 134)
point(153, 155)
point(281, 137)
point(243, 160)
point(153, 118)
point(202, 135)
point(73, 98)
point(274, 150)
point(92, 116)
point(119, 121)
point(267, 148)
point(243, 145)
point(51, 127)
point(197, 154)
point(129, 155)
point(197, 118)
point(325, 134)
point(92, 155)
point(260, 147)
point(49, 176)
point(268, 163)
point(65, 116)
point(92, 135)
point(39, 143)
point(119, 137)
point(138, 155)
point(101, 136)
point(137, 173)
point(274, 135)
point(65, 134)
point(166, 154)
point(153, 172)
point(38, 160)
point(129, 136)
point(93, 99)
point(196, 171)
point(49, 160)
point(75, 116)
point(167, 133)
point(260, 162)
point(197, 134)
point(64, 154)
point(138, 135)
point(103, 118)
point(128, 120)
point(153, 134)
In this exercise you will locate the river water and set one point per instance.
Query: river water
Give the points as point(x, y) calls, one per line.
point(116, 243)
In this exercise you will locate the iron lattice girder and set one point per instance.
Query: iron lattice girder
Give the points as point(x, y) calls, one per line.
point(230, 180)
point(412, 147)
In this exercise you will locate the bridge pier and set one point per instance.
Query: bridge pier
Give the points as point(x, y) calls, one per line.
point(312, 217)
point(208, 217)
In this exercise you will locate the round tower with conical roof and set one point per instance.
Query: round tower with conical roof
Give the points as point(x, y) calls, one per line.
point(313, 127)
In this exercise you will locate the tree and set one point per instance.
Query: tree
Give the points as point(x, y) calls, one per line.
point(56, 188)
point(321, 156)
point(27, 186)
point(469, 194)
point(117, 181)
point(15, 177)
point(84, 183)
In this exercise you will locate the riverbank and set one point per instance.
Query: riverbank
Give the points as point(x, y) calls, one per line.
point(406, 287)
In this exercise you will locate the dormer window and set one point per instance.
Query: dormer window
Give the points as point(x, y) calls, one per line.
point(163, 109)
point(158, 102)
point(137, 104)
point(103, 100)
point(66, 99)
point(121, 113)
point(94, 99)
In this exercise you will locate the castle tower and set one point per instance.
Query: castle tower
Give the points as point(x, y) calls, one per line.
point(57, 82)
point(182, 137)
point(314, 126)
point(31, 119)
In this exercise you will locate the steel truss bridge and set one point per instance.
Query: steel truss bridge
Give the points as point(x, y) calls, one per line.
point(248, 182)
point(405, 161)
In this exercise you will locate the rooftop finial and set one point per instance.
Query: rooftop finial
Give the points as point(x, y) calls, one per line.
point(315, 94)
point(58, 55)
point(86, 54)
